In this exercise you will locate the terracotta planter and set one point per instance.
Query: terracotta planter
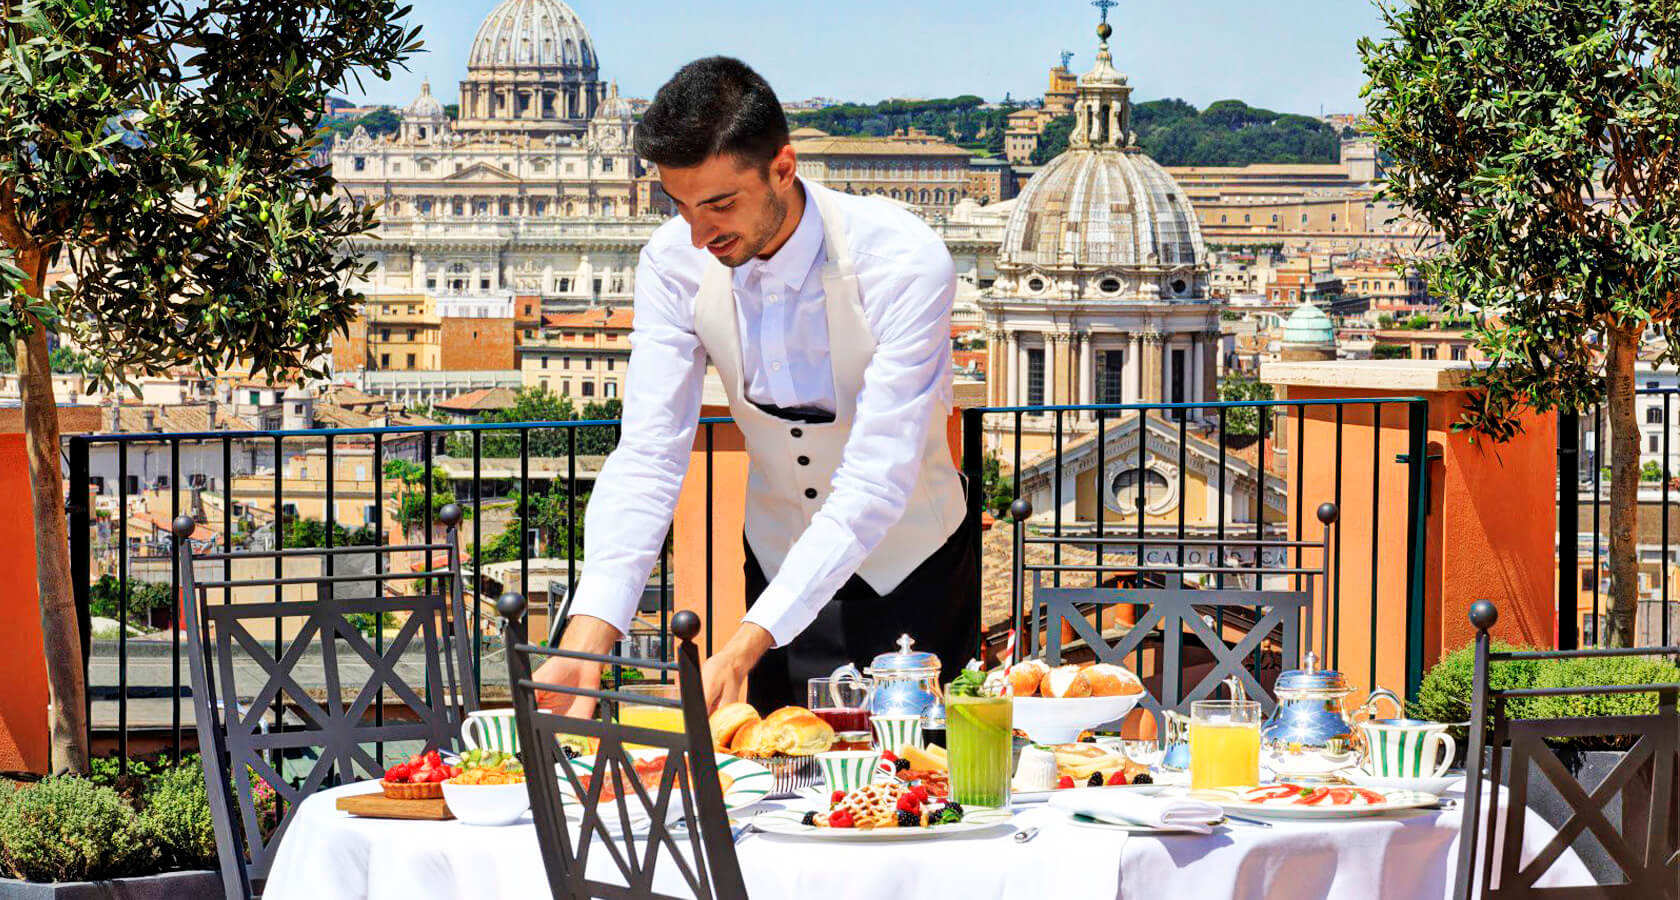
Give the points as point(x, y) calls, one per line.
point(167, 886)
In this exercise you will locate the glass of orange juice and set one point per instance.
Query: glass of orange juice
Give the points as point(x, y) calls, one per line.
point(647, 715)
point(1224, 744)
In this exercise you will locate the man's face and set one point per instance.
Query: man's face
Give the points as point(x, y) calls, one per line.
point(733, 209)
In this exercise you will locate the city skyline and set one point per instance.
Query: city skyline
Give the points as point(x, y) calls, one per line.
point(1201, 54)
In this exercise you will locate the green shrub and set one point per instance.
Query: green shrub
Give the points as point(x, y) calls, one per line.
point(70, 829)
point(1590, 672)
point(176, 812)
point(1444, 695)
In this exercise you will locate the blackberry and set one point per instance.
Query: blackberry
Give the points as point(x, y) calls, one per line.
point(908, 819)
point(901, 765)
point(1096, 780)
point(954, 810)
point(810, 818)
point(570, 752)
point(1142, 778)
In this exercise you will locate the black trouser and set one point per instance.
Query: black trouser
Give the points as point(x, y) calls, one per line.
point(937, 604)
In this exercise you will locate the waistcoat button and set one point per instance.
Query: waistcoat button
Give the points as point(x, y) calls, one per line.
point(810, 493)
point(797, 432)
point(804, 460)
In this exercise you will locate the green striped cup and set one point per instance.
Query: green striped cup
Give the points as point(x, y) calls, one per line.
point(847, 770)
point(1407, 748)
point(894, 732)
point(490, 729)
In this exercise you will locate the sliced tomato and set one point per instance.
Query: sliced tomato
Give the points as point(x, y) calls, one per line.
point(1370, 796)
point(1275, 792)
point(1313, 797)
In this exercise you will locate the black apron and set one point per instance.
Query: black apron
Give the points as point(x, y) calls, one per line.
point(937, 604)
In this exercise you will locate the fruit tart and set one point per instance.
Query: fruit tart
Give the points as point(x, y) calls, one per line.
point(421, 777)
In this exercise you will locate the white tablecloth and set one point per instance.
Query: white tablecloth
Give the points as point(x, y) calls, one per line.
point(327, 855)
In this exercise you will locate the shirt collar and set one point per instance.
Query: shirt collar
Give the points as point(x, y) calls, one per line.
point(795, 260)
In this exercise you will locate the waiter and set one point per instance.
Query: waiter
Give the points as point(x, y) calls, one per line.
point(827, 316)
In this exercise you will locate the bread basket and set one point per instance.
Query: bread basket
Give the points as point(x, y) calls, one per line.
point(792, 773)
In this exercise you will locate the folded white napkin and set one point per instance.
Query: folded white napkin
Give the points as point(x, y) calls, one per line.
point(1129, 808)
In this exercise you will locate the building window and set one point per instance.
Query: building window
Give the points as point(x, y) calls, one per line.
point(1653, 443)
point(565, 285)
point(384, 334)
point(1111, 377)
point(412, 334)
point(610, 389)
point(1035, 377)
point(607, 164)
point(565, 388)
point(588, 363)
point(610, 362)
point(384, 360)
point(544, 362)
point(1124, 488)
point(1110, 285)
point(484, 284)
point(457, 207)
point(1458, 354)
point(1426, 353)
point(589, 388)
point(1653, 415)
point(361, 163)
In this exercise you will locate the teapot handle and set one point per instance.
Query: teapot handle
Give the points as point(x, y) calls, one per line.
point(1368, 708)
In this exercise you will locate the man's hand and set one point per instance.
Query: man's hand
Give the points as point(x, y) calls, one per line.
point(724, 673)
point(585, 634)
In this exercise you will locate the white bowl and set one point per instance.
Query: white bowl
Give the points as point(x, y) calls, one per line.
point(1059, 720)
point(1436, 785)
point(487, 804)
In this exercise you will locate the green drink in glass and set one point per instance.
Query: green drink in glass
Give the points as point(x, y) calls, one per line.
point(978, 725)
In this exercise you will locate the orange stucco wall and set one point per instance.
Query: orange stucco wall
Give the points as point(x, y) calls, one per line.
point(1490, 533)
point(23, 698)
point(688, 556)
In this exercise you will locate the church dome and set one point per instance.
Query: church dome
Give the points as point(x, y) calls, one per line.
point(1308, 325)
point(532, 33)
point(1102, 204)
point(424, 106)
point(615, 107)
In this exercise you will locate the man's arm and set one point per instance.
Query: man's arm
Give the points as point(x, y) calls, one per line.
point(905, 380)
point(636, 491)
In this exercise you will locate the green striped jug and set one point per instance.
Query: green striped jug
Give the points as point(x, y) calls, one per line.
point(1407, 748)
point(490, 729)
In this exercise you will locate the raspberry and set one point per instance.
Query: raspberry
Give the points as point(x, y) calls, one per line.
point(920, 793)
point(1118, 777)
point(1066, 781)
point(907, 802)
point(841, 819)
point(836, 797)
point(888, 756)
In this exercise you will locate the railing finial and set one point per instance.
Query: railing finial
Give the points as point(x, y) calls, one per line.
point(1020, 510)
point(450, 515)
point(686, 625)
point(1483, 615)
point(511, 605)
point(183, 527)
point(1327, 513)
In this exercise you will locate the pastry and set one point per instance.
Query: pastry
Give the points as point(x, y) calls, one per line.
point(1065, 682)
point(1109, 680)
point(789, 731)
point(1036, 770)
point(729, 719)
point(1025, 676)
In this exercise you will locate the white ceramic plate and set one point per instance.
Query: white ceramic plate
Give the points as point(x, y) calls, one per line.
point(788, 822)
point(1395, 801)
point(751, 783)
point(1435, 786)
point(1142, 790)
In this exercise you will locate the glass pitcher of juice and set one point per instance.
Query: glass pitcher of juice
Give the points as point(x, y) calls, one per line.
point(1224, 744)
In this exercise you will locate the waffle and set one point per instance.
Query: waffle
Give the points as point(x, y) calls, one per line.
point(873, 805)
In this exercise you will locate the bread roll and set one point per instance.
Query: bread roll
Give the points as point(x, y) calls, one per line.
point(1108, 680)
point(1066, 682)
point(789, 731)
point(728, 720)
point(745, 742)
point(1025, 677)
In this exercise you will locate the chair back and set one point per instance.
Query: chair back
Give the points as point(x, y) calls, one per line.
point(699, 848)
point(1646, 844)
point(325, 682)
point(1236, 626)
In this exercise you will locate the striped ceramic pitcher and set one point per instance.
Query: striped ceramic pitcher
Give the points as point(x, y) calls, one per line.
point(490, 729)
point(1407, 748)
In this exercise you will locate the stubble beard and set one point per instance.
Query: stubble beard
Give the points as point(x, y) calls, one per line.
point(775, 213)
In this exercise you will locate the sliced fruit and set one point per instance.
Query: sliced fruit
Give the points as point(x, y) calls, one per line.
point(923, 760)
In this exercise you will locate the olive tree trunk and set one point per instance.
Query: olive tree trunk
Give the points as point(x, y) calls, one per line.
point(1624, 484)
point(61, 637)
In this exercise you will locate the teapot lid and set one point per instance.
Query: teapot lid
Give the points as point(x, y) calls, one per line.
point(1311, 678)
point(905, 659)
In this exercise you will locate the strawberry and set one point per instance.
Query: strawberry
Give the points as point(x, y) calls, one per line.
point(1066, 781)
point(841, 819)
point(398, 772)
point(1118, 777)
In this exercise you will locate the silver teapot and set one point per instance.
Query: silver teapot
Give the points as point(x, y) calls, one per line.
point(1309, 736)
point(903, 683)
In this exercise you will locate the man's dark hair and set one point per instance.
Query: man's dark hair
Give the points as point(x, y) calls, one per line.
point(711, 106)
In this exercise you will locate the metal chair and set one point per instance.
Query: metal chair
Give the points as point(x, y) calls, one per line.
point(344, 724)
point(1649, 857)
point(1285, 616)
point(710, 869)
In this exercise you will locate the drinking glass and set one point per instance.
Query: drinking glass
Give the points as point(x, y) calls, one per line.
point(842, 703)
point(980, 730)
point(658, 718)
point(1224, 744)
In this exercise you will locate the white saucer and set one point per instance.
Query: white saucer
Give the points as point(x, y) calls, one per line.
point(1427, 785)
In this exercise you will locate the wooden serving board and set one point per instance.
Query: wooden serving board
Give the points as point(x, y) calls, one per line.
point(379, 806)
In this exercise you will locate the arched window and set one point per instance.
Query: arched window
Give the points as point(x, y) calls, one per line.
point(1124, 488)
point(457, 208)
point(607, 207)
point(924, 195)
point(939, 197)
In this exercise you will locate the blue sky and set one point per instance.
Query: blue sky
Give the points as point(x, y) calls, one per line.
point(1288, 55)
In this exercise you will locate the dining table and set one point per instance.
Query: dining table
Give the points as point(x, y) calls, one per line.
point(327, 854)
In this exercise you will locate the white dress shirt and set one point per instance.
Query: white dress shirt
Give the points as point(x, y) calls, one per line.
point(906, 283)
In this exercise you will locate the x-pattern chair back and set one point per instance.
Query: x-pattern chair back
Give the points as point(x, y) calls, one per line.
point(1644, 780)
point(635, 830)
point(336, 723)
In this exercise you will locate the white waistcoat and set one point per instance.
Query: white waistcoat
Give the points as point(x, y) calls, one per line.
point(778, 508)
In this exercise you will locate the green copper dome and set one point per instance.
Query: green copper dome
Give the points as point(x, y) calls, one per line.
point(1308, 325)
